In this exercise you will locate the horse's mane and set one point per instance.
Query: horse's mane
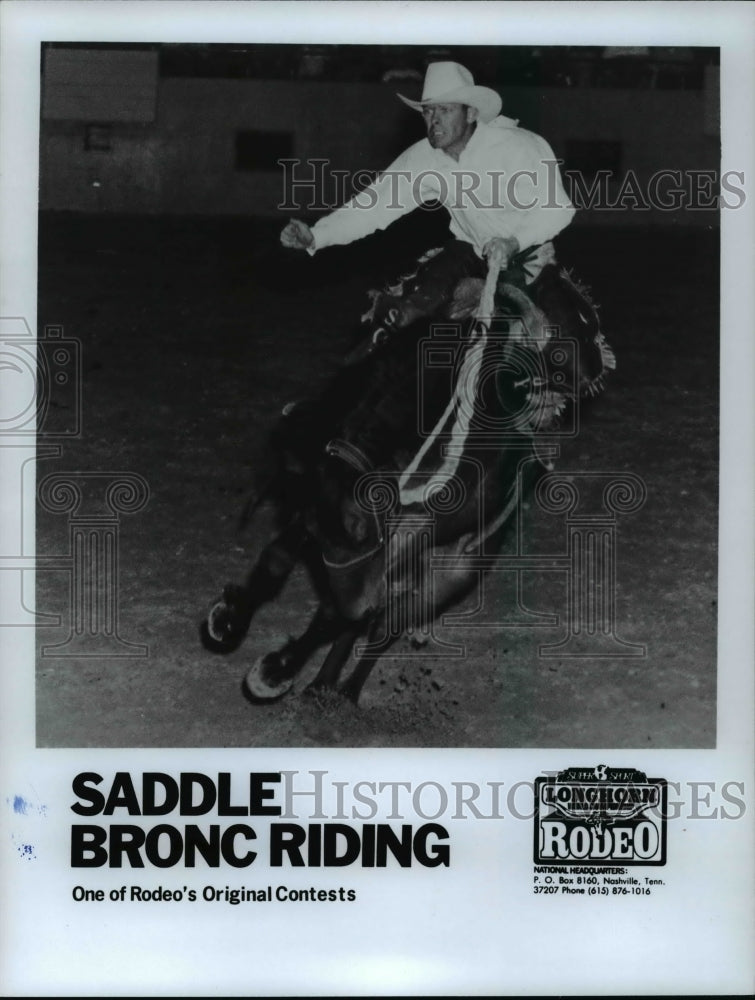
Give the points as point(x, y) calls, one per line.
point(385, 422)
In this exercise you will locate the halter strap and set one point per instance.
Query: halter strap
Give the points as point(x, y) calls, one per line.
point(356, 458)
point(350, 454)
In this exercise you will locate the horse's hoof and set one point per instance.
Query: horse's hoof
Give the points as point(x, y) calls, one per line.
point(227, 622)
point(264, 681)
point(208, 638)
point(217, 630)
point(349, 693)
point(315, 692)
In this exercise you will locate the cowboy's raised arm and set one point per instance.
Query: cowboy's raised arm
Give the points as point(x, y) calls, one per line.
point(393, 194)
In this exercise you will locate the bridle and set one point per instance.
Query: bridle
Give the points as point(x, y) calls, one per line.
point(356, 458)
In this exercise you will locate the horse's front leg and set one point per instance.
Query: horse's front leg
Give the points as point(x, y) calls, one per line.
point(272, 675)
point(327, 678)
point(228, 619)
point(379, 639)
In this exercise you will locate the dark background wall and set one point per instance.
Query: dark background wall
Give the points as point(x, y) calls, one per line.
point(142, 132)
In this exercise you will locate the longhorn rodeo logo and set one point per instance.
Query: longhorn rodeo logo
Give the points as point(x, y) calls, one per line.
point(600, 816)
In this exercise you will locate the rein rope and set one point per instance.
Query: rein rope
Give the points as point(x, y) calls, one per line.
point(467, 376)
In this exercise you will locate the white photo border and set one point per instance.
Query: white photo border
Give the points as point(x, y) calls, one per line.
point(68, 950)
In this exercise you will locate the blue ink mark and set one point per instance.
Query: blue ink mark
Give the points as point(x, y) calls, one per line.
point(23, 807)
point(27, 851)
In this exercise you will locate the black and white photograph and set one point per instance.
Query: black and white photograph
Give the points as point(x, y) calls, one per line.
point(377, 455)
point(397, 377)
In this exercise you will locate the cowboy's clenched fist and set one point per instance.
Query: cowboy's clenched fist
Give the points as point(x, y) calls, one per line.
point(503, 249)
point(297, 235)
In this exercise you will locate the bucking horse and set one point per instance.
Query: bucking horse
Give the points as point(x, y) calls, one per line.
point(409, 465)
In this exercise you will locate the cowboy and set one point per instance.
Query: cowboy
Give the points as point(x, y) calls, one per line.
point(500, 184)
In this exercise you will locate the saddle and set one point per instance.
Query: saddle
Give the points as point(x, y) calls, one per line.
point(543, 317)
point(554, 306)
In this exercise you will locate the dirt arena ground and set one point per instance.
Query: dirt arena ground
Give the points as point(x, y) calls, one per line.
point(195, 333)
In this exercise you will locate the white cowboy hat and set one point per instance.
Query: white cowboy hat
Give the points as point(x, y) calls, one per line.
point(452, 83)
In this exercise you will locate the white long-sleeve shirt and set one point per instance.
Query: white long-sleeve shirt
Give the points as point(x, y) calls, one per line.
point(505, 183)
